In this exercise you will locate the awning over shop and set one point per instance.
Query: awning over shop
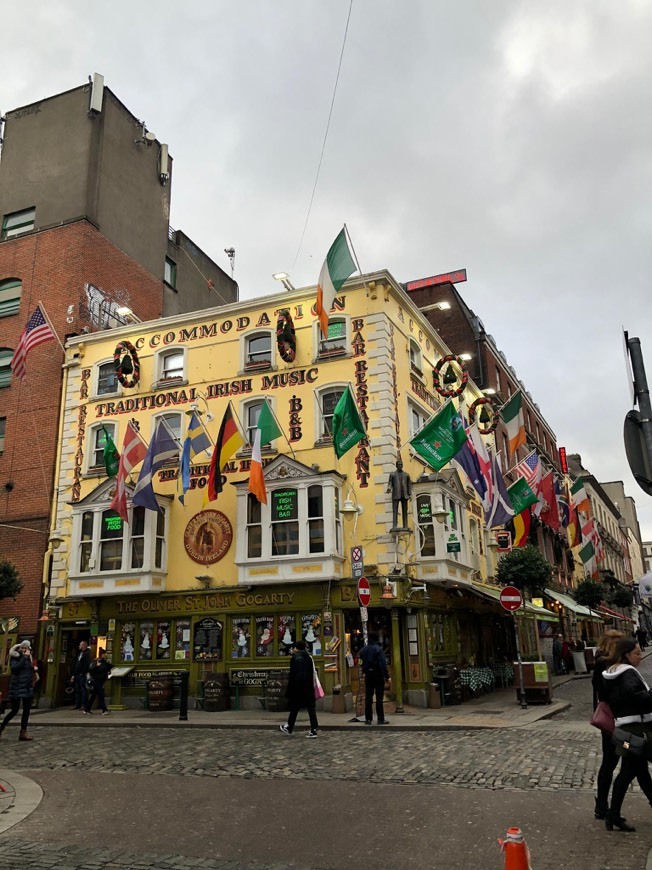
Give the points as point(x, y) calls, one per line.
point(493, 592)
point(570, 604)
point(609, 612)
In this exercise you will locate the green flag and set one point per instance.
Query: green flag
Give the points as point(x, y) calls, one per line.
point(269, 428)
point(441, 438)
point(347, 426)
point(587, 552)
point(111, 455)
point(521, 496)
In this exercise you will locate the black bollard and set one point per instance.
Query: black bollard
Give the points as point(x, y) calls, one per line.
point(183, 697)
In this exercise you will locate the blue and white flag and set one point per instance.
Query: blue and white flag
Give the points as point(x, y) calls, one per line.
point(501, 507)
point(162, 448)
point(474, 460)
point(196, 441)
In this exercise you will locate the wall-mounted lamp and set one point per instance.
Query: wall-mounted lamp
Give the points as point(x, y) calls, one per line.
point(126, 312)
point(56, 539)
point(389, 594)
point(284, 278)
point(489, 391)
point(466, 356)
point(442, 306)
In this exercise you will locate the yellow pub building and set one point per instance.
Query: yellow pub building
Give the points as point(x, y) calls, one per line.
point(225, 587)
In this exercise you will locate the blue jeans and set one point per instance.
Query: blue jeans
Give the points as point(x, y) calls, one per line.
point(81, 692)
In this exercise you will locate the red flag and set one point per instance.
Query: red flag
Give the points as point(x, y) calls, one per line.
point(522, 524)
point(134, 451)
point(550, 512)
point(37, 330)
point(573, 529)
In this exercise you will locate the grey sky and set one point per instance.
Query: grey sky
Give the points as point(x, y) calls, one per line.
point(509, 138)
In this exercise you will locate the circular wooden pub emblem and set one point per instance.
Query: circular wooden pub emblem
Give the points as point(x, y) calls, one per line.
point(207, 537)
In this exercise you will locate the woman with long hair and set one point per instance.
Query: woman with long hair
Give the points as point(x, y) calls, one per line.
point(21, 686)
point(606, 648)
point(630, 699)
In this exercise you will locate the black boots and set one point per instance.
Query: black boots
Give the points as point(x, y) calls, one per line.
point(610, 823)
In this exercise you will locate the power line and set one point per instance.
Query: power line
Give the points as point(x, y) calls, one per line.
point(328, 124)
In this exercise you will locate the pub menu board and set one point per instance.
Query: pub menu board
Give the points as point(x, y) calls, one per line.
point(207, 640)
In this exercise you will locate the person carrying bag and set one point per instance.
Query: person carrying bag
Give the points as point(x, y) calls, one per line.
point(630, 699)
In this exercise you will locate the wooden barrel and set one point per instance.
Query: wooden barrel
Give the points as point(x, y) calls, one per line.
point(160, 694)
point(216, 693)
point(275, 692)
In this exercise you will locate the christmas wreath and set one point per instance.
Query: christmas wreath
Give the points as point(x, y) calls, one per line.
point(483, 400)
point(286, 342)
point(441, 388)
point(125, 363)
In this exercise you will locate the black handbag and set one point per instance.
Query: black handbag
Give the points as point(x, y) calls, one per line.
point(627, 743)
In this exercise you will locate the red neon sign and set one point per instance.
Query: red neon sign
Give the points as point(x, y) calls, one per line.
point(444, 278)
point(563, 461)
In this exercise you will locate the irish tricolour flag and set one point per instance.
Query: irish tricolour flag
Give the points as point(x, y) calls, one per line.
point(512, 414)
point(338, 266)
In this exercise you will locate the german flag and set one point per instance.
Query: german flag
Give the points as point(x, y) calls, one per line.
point(228, 441)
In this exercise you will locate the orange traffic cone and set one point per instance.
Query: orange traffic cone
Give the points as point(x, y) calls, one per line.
point(517, 854)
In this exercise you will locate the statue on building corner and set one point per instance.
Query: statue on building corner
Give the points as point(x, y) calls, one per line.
point(400, 486)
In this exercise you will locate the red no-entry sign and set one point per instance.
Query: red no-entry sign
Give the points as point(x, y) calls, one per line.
point(364, 592)
point(511, 598)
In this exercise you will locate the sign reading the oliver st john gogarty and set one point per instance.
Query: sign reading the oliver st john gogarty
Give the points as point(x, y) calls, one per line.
point(207, 642)
point(207, 537)
point(284, 505)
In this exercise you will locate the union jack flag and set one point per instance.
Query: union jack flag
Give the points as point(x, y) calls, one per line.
point(530, 469)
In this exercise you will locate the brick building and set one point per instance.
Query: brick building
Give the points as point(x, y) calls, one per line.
point(85, 195)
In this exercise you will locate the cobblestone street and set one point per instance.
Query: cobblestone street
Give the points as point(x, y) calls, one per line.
point(238, 788)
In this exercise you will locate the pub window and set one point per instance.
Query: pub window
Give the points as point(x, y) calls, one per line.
point(336, 343)
point(159, 551)
point(6, 355)
point(311, 632)
point(426, 526)
point(264, 636)
point(173, 424)
point(10, 291)
point(138, 537)
point(18, 222)
point(254, 527)
point(258, 350)
point(316, 519)
point(416, 418)
point(146, 642)
point(98, 443)
point(111, 540)
point(3, 426)
point(171, 365)
point(241, 637)
point(86, 541)
point(107, 379)
point(326, 399)
point(287, 634)
point(416, 365)
point(163, 631)
point(285, 522)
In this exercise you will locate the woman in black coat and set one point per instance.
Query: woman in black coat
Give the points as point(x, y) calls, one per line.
point(301, 688)
point(630, 700)
point(21, 686)
point(606, 649)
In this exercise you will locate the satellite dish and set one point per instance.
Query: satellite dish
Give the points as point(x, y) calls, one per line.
point(150, 138)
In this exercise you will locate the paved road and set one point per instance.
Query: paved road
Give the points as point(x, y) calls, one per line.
point(128, 797)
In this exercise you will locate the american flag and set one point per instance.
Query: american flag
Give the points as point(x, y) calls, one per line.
point(37, 331)
point(530, 469)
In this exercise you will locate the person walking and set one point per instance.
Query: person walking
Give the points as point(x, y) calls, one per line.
point(606, 648)
point(301, 688)
point(21, 686)
point(78, 679)
point(98, 673)
point(630, 700)
point(557, 654)
point(374, 668)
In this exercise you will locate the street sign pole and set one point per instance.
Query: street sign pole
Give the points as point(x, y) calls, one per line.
point(520, 661)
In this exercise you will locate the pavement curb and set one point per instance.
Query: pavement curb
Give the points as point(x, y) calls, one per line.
point(27, 796)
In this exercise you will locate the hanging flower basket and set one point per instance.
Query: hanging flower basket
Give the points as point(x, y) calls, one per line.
point(286, 341)
point(436, 375)
point(126, 364)
point(484, 430)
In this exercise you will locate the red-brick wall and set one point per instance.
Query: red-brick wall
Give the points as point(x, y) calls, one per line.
point(54, 267)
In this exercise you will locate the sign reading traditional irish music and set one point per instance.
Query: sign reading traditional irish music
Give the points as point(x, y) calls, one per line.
point(284, 505)
point(208, 536)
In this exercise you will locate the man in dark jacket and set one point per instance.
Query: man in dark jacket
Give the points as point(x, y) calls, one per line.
point(374, 668)
point(301, 688)
point(82, 664)
point(98, 673)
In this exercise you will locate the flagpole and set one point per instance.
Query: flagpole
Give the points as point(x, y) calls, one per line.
point(45, 314)
point(355, 257)
point(170, 432)
point(269, 405)
point(242, 428)
point(201, 423)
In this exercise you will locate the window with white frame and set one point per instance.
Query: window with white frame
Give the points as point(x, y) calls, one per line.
point(416, 364)
point(171, 364)
point(107, 379)
point(249, 414)
point(173, 423)
point(10, 292)
point(454, 524)
point(106, 544)
point(426, 525)
point(417, 418)
point(300, 519)
point(336, 342)
point(6, 355)
point(258, 350)
point(327, 398)
point(97, 443)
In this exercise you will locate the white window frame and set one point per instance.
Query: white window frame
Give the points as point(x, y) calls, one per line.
point(319, 342)
point(322, 435)
point(416, 358)
point(159, 363)
point(113, 429)
point(165, 415)
point(416, 414)
point(254, 365)
point(96, 380)
point(249, 431)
